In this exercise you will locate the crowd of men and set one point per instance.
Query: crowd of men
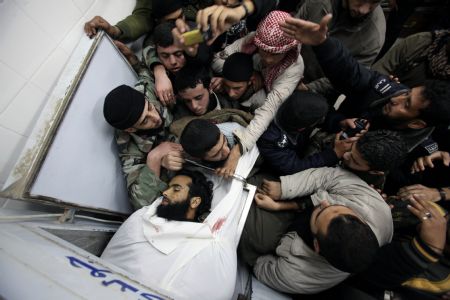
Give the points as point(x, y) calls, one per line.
point(353, 195)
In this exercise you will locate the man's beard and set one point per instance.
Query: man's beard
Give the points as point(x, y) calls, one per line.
point(173, 211)
point(378, 120)
point(354, 21)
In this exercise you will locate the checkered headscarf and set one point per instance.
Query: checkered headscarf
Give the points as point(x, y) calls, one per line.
point(439, 62)
point(270, 38)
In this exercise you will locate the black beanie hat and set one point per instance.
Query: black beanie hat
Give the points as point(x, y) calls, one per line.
point(123, 107)
point(162, 8)
point(198, 137)
point(238, 67)
point(301, 109)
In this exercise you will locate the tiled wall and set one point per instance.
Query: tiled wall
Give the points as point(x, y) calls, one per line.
point(36, 39)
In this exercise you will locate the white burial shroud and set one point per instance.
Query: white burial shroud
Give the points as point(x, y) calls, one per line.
point(191, 260)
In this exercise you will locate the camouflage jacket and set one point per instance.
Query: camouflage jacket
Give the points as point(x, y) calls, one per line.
point(143, 185)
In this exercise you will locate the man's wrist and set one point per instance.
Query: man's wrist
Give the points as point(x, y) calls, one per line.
point(115, 32)
point(443, 193)
point(246, 9)
point(287, 205)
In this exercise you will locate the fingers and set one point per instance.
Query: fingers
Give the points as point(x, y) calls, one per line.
point(213, 20)
point(203, 17)
point(91, 27)
point(225, 172)
point(181, 27)
point(259, 198)
point(416, 208)
point(446, 158)
point(417, 166)
point(221, 24)
point(325, 20)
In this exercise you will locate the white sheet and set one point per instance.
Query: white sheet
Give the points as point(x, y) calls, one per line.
point(192, 260)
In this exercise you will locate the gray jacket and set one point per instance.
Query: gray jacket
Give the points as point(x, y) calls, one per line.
point(364, 39)
point(297, 268)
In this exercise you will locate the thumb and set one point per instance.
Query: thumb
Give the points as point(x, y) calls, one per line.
point(325, 20)
point(446, 160)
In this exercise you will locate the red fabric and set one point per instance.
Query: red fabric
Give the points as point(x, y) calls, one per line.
point(270, 38)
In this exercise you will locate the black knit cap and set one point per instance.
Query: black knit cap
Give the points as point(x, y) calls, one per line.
point(162, 8)
point(238, 67)
point(123, 107)
point(300, 110)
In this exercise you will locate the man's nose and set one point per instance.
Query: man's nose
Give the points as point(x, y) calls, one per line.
point(172, 60)
point(195, 105)
point(226, 152)
point(346, 156)
point(364, 9)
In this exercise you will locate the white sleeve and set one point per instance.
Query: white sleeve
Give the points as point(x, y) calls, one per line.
point(283, 87)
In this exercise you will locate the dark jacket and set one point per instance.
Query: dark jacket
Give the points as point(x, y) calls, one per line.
point(286, 155)
point(365, 90)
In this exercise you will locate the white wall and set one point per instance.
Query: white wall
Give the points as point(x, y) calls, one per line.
point(36, 39)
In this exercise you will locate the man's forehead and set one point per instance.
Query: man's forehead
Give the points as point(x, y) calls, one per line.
point(172, 49)
point(234, 83)
point(198, 90)
point(180, 180)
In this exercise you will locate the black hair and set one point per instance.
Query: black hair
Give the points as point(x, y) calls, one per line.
point(162, 35)
point(198, 137)
point(382, 149)
point(191, 75)
point(437, 92)
point(302, 109)
point(349, 244)
point(200, 187)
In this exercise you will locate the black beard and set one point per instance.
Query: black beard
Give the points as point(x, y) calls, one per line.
point(378, 120)
point(173, 211)
point(353, 21)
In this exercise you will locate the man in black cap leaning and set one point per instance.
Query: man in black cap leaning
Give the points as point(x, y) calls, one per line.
point(241, 84)
point(143, 141)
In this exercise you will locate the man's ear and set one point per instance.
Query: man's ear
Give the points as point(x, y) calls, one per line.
point(417, 124)
point(316, 245)
point(379, 173)
point(195, 202)
point(130, 130)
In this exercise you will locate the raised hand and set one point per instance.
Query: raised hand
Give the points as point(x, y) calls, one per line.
point(306, 32)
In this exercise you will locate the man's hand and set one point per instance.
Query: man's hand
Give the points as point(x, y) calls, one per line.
point(227, 170)
point(98, 22)
point(302, 87)
point(163, 86)
point(427, 161)
point(220, 18)
point(177, 33)
point(419, 191)
point(257, 81)
point(266, 202)
point(216, 84)
point(306, 32)
point(394, 78)
point(342, 146)
point(173, 160)
point(433, 227)
point(271, 189)
point(350, 123)
point(128, 53)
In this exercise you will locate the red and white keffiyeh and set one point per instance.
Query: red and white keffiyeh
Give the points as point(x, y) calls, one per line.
point(270, 38)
